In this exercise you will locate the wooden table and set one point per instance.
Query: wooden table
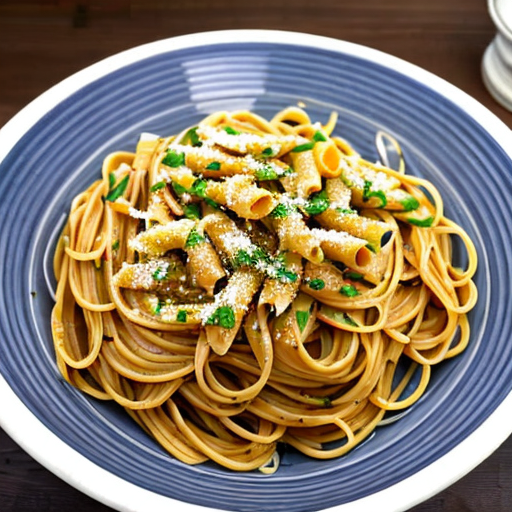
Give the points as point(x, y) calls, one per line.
point(42, 42)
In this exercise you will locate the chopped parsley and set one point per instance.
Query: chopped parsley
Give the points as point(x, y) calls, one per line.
point(211, 202)
point(213, 166)
point(181, 316)
point(252, 258)
point(179, 189)
point(337, 316)
point(198, 188)
point(410, 203)
point(317, 203)
point(194, 238)
point(422, 223)
point(284, 274)
point(319, 137)
point(346, 211)
point(347, 319)
point(173, 159)
point(111, 180)
point(349, 290)
point(302, 318)
point(266, 173)
point(303, 147)
point(192, 137)
point(282, 210)
point(368, 194)
point(281, 272)
point(257, 258)
point(354, 276)
point(118, 191)
point(224, 316)
point(160, 274)
point(160, 304)
point(115, 245)
point(157, 186)
point(317, 284)
point(231, 131)
point(192, 211)
point(267, 152)
point(326, 401)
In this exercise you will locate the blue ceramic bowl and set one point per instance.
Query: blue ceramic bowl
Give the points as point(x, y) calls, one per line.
point(54, 148)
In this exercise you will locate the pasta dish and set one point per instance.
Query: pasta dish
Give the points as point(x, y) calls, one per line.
point(247, 282)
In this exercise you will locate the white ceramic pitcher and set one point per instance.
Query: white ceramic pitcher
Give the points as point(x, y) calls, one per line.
point(497, 60)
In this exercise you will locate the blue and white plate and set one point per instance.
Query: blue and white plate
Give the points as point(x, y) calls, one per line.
point(54, 148)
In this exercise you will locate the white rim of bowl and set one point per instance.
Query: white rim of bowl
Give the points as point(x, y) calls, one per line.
point(48, 449)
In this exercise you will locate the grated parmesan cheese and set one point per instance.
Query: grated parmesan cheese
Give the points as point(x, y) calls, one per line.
point(245, 142)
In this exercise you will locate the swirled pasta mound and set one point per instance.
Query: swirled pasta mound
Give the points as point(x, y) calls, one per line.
point(249, 282)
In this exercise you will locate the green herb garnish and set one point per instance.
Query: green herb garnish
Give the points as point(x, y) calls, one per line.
point(160, 304)
point(267, 152)
point(160, 274)
point(349, 290)
point(231, 131)
point(213, 166)
point(317, 203)
point(198, 188)
point(317, 284)
point(353, 276)
point(157, 186)
point(192, 211)
point(410, 203)
point(181, 316)
point(111, 180)
point(115, 245)
point(319, 136)
point(173, 159)
point(367, 194)
point(422, 223)
point(326, 401)
point(179, 189)
point(302, 318)
point(303, 147)
point(282, 210)
point(266, 173)
point(224, 316)
point(347, 319)
point(257, 258)
point(192, 137)
point(281, 272)
point(285, 274)
point(346, 211)
point(211, 202)
point(117, 191)
point(250, 258)
point(193, 239)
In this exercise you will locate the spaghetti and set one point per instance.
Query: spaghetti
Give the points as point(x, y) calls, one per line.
point(248, 282)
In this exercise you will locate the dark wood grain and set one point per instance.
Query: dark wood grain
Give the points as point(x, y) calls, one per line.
point(42, 42)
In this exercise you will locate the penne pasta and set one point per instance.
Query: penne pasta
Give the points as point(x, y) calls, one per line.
point(204, 266)
point(307, 174)
point(241, 195)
